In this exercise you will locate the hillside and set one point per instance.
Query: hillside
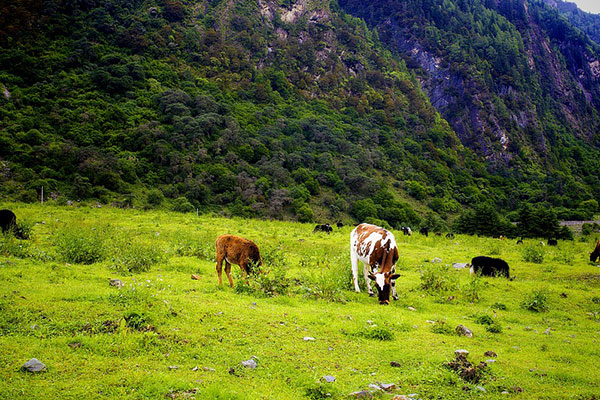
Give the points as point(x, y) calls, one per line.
point(282, 109)
point(164, 335)
point(588, 23)
point(516, 81)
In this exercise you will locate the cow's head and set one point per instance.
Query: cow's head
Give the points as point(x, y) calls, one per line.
point(383, 283)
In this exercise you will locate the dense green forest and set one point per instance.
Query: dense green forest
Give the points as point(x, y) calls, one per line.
point(276, 109)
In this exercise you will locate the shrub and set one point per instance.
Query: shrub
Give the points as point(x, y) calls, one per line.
point(536, 301)
point(441, 327)
point(377, 333)
point(435, 279)
point(473, 288)
point(155, 197)
point(133, 257)
point(499, 306)
point(81, 245)
point(137, 321)
point(494, 328)
point(10, 246)
point(181, 204)
point(270, 280)
point(484, 320)
point(564, 256)
point(533, 254)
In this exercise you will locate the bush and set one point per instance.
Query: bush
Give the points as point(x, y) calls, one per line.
point(133, 257)
point(473, 288)
point(484, 320)
point(494, 328)
point(435, 279)
point(536, 301)
point(155, 197)
point(499, 306)
point(81, 245)
point(181, 204)
point(441, 327)
point(10, 246)
point(377, 333)
point(533, 254)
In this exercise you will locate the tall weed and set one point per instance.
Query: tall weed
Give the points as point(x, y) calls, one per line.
point(533, 254)
point(80, 245)
point(436, 279)
point(537, 301)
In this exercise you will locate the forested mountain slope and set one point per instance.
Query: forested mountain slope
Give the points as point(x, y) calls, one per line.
point(588, 23)
point(291, 108)
point(517, 82)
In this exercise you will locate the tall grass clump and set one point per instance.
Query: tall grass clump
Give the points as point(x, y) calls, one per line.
point(133, 256)
point(10, 246)
point(81, 245)
point(537, 301)
point(533, 254)
point(436, 279)
point(473, 288)
point(325, 280)
point(268, 280)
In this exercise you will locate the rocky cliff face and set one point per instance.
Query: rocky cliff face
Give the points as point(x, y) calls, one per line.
point(497, 116)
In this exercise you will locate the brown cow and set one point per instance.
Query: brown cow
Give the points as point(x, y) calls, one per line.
point(376, 248)
point(236, 250)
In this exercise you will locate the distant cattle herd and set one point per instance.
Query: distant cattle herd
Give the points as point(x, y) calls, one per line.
point(371, 245)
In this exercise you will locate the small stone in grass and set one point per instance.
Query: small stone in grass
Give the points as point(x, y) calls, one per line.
point(395, 364)
point(173, 367)
point(308, 338)
point(34, 365)
point(490, 353)
point(463, 331)
point(461, 352)
point(116, 283)
point(329, 378)
point(363, 394)
point(412, 309)
point(249, 363)
point(387, 386)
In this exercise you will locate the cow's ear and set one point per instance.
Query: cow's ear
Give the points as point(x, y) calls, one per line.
point(394, 277)
point(372, 277)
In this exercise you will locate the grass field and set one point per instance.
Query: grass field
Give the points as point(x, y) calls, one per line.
point(164, 335)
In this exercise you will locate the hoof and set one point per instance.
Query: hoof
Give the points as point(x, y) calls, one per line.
point(371, 294)
point(395, 297)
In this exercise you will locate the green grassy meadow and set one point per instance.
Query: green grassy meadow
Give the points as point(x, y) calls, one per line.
point(145, 340)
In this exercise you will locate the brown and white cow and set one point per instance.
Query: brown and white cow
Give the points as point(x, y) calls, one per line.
point(236, 250)
point(376, 248)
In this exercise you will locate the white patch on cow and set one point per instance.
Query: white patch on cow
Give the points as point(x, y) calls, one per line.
point(380, 280)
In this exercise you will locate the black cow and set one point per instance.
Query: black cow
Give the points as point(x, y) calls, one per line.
point(323, 228)
point(594, 254)
point(520, 241)
point(552, 242)
point(424, 231)
point(340, 224)
point(8, 223)
point(488, 266)
point(407, 231)
point(449, 235)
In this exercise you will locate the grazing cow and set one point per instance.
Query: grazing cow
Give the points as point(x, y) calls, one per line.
point(424, 231)
point(323, 228)
point(520, 241)
point(376, 248)
point(552, 242)
point(340, 224)
point(407, 231)
point(594, 254)
point(236, 250)
point(488, 266)
point(449, 235)
point(8, 223)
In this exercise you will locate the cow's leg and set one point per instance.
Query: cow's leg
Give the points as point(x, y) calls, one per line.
point(354, 260)
point(245, 271)
point(228, 272)
point(394, 294)
point(220, 269)
point(366, 271)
